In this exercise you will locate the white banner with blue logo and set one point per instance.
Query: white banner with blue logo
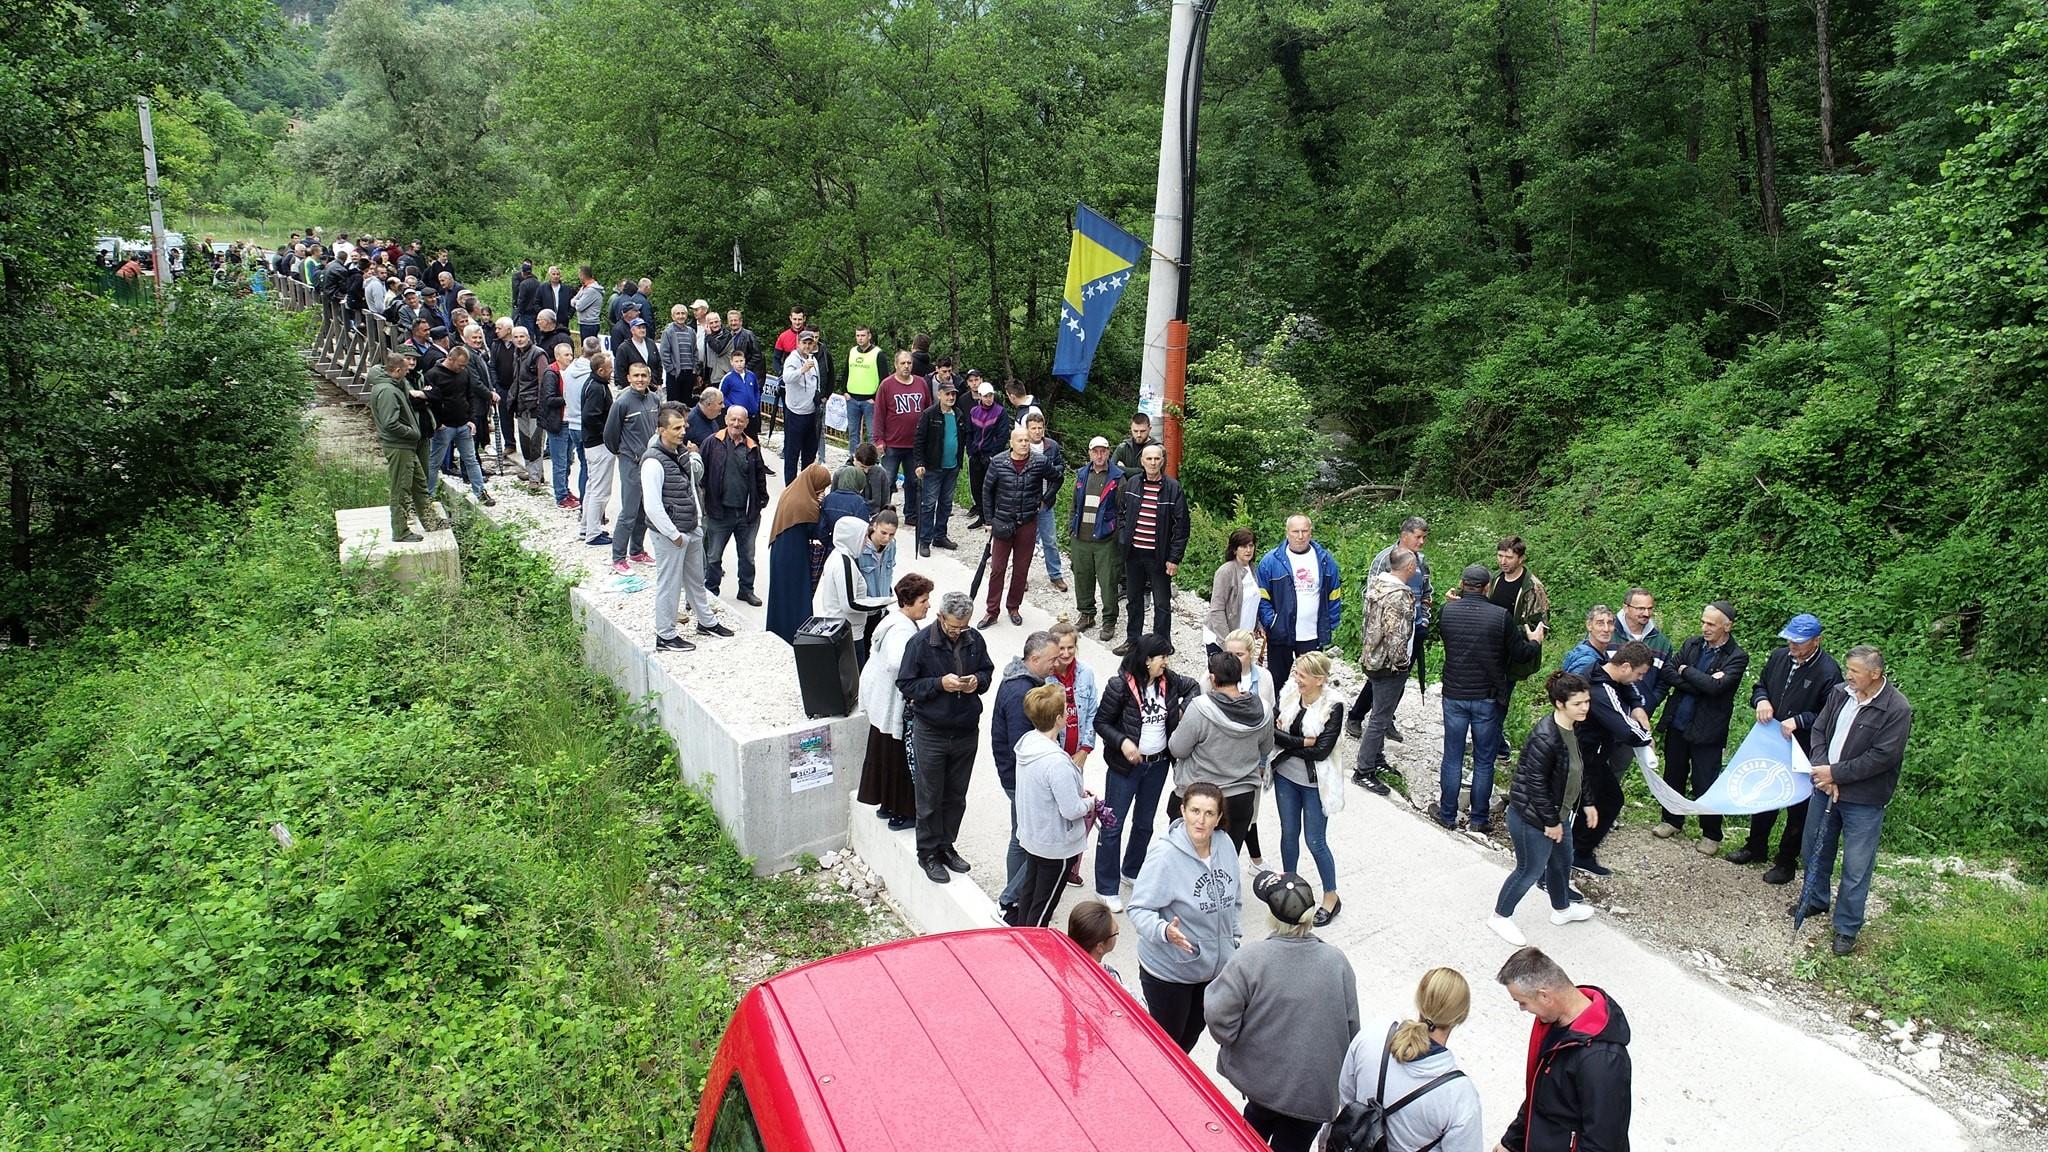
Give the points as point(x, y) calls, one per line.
point(1769, 771)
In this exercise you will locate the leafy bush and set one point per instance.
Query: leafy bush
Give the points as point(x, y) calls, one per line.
point(500, 921)
point(1249, 432)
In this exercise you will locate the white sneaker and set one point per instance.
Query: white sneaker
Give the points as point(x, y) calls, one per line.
point(1573, 914)
point(1115, 903)
point(1664, 831)
point(1506, 930)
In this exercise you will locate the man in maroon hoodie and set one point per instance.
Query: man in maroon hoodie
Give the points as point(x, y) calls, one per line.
point(1578, 1079)
point(899, 407)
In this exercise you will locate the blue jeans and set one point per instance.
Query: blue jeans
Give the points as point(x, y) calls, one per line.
point(937, 514)
point(1016, 861)
point(860, 421)
point(575, 435)
point(1134, 797)
point(1480, 719)
point(558, 463)
point(1854, 828)
point(898, 460)
point(1301, 812)
point(1536, 856)
point(464, 444)
point(1049, 543)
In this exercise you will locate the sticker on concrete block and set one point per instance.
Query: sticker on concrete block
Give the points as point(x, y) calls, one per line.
point(810, 759)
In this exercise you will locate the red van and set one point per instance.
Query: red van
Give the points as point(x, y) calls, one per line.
point(1005, 1039)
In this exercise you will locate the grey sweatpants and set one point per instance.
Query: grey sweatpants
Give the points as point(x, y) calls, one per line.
point(679, 569)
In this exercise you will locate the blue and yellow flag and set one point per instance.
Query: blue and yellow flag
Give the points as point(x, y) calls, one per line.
point(1103, 260)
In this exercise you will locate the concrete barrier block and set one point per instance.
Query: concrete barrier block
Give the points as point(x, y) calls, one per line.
point(365, 535)
point(926, 907)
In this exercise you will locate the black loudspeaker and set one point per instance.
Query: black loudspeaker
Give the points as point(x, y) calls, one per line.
point(825, 669)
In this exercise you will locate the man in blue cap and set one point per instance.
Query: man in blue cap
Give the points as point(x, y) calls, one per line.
point(1794, 686)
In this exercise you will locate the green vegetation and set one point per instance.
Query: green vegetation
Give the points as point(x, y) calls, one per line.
point(499, 920)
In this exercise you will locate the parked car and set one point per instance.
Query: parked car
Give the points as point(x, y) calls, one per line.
point(1004, 1038)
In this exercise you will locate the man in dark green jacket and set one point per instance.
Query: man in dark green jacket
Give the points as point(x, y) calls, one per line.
point(400, 435)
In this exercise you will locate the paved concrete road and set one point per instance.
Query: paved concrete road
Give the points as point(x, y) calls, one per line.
point(1712, 1070)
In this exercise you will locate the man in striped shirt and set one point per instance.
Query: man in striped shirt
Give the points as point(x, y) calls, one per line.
point(1152, 522)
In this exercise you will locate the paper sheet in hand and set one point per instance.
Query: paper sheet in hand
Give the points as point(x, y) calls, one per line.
point(1769, 771)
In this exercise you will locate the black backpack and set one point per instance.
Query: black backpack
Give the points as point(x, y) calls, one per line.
point(1362, 1127)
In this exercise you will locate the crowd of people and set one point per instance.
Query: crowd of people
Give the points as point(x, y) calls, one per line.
point(676, 421)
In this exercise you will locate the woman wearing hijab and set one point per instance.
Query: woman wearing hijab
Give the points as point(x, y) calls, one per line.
point(885, 776)
point(790, 542)
point(847, 498)
point(843, 590)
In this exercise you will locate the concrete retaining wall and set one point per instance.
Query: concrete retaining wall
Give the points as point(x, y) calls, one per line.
point(748, 777)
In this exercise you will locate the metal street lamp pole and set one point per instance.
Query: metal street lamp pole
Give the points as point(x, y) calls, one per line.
point(1162, 389)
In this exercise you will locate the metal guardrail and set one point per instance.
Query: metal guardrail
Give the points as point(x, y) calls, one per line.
point(346, 346)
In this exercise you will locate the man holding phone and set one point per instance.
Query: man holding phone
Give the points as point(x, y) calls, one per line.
point(945, 670)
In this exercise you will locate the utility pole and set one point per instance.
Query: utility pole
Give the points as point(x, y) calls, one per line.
point(1162, 389)
point(162, 258)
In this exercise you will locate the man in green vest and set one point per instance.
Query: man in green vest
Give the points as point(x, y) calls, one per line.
point(400, 435)
point(863, 380)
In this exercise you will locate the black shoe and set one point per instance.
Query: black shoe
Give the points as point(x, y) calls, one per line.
point(1844, 944)
point(1371, 782)
point(1387, 769)
point(1543, 885)
point(1355, 731)
point(599, 540)
point(1592, 867)
point(924, 550)
point(490, 501)
point(948, 545)
point(750, 598)
point(673, 644)
point(977, 522)
point(407, 538)
point(714, 629)
point(1781, 873)
point(951, 859)
point(1016, 618)
point(1742, 856)
point(1447, 825)
point(900, 823)
point(1123, 649)
point(1394, 734)
point(1325, 915)
point(936, 872)
point(885, 814)
point(1482, 828)
point(986, 622)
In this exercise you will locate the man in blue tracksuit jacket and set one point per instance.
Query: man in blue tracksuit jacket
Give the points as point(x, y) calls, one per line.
point(1301, 598)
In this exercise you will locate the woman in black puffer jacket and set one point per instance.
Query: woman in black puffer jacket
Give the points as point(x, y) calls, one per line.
point(1140, 708)
point(1547, 786)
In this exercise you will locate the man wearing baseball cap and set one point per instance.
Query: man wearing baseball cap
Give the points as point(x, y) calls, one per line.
point(1794, 686)
point(1098, 557)
point(988, 435)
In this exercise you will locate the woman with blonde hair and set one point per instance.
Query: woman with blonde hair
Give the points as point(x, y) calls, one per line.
point(1405, 1065)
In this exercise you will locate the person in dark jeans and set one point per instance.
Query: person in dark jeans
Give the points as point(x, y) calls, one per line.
point(1703, 675)
point(1792, 689)
point(1152, 525)
point(1859, 746)
point(1184, 912)
point(1548, 781)
point(1481, 641)
point(1139, 710)
point(1387, 627)
point(945, 671)
point(1615, 728)
point(735, 492)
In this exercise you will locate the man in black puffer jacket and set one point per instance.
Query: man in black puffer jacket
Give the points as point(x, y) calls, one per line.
point(1578, 1081)
point(451, 395)
point(1481, 641)
point(1016, 487)
point(1703, 676)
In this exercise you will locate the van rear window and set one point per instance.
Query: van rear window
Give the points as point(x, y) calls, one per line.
point(734, 1130)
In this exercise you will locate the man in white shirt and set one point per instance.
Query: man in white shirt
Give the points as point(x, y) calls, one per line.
point(1301, 597)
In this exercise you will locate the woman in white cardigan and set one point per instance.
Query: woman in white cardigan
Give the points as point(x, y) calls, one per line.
point(885, 778)
point(843, 591)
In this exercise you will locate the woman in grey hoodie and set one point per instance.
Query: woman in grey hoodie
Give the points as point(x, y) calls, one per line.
point(1283, 1012)
point(1183, 909)
point(1223, 737)
point(1051, 809)
point(1430, 1104)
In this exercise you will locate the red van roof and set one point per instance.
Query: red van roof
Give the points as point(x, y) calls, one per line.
point(1002, 1039)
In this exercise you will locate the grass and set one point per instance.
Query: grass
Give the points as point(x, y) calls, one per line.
point(294, 857)
point(1969, 954)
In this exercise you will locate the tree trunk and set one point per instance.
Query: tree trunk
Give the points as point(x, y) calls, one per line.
point(998, 315)
point(1593, 30)
point(1760, 112)
point(20, 505)
point(1477, 185)
point(1511, 118)
point(1827, 86)
point(1699, 104)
